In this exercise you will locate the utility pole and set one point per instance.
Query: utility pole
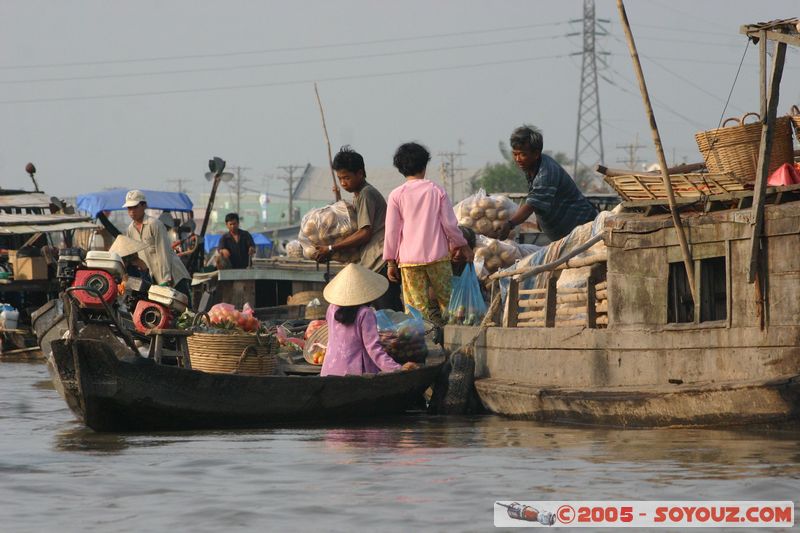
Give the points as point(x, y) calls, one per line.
point(632, 160)
point(290, 169)
point(589, 133)
point(450, 168)
point(238, 187)
point(179, 182)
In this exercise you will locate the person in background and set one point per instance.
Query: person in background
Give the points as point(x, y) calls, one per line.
point(552, 194)
point(235, 247)
point(164, 265)
point(353, 346)
point(422, 233)
point(370, 219)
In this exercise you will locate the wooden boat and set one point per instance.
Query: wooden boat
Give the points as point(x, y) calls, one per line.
point(130, 393)
point(628, 341)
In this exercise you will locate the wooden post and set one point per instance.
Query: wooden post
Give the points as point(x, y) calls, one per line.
point(662, 161)
point(767, 133)
point(550, 301)
point(511, 314)
point(336, 191)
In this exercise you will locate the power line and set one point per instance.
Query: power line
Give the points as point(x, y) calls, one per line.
point(283, 49)
point(278, 63)
point(281, 83)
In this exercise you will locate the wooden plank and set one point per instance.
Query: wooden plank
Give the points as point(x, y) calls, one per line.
point(512, 309)
point(767, 132)
point(591, 302)
point(532, 302)
point(550, 302)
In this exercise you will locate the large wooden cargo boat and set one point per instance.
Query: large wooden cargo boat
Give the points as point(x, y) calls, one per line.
point(631, 345)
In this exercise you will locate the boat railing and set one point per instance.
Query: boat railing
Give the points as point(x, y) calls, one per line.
point(585, 305)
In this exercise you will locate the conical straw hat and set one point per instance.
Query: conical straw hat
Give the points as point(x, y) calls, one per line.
point(355, 285)
point(126, 246)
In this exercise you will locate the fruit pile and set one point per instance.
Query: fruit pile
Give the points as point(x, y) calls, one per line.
point(227, 317)
point(404, 344)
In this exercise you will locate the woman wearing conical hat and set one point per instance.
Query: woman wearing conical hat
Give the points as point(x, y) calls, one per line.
point(353, 346)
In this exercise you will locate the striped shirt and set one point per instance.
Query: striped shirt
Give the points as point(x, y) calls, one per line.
point(556, 200)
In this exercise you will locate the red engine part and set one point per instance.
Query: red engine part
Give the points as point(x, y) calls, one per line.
point(150, 315)
point(99, 280)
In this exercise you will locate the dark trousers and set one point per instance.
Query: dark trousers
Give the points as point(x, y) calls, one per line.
point(392, 298)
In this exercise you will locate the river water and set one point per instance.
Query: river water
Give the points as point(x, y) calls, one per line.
point(411, 473)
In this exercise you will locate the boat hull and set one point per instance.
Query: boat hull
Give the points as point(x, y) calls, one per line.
point(134, 394)
point(698, 405)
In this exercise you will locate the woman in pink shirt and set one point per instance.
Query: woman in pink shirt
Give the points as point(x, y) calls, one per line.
point(421, 233)
point(353, 346)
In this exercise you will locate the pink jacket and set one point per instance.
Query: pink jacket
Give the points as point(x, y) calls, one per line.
point(353, 349)
point(421, 226)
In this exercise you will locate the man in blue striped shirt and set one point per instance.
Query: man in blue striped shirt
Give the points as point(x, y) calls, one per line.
point(552, 194)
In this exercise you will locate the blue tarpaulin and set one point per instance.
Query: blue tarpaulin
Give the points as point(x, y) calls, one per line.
point(212, 241)
point(94, 203)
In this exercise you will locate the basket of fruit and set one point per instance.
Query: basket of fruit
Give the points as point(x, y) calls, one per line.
point(316, 344)
point(228, 341)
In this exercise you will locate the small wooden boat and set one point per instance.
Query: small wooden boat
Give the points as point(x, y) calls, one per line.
point(131, 393)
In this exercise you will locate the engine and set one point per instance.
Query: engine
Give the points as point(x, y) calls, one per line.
point(151, 315)
point(99, 280)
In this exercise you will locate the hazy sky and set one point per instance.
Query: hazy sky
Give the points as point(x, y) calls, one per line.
point(110, 93)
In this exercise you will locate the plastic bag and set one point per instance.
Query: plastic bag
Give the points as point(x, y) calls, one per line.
point(401, 335)
point(294, 249)
point(486, 214)
point(467, 305)
point(496, 254)
point(326, 225)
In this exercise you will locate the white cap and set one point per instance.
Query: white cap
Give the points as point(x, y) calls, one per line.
point(134, 198)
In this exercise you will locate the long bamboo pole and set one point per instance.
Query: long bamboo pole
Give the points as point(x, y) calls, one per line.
point(662, 161)
point(328, 142)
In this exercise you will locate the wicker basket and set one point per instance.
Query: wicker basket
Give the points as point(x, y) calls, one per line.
point(735, 149)
point(246, 353)
point(304, 297)
point(794, 114)
point(320, 336)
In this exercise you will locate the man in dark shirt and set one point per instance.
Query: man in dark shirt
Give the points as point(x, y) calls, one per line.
point(236, 247)
point(552, 194)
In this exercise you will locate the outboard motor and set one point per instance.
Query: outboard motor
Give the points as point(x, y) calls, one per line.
point(102, 272)
point(99, 280)
point(161, 306)
point(151, 315)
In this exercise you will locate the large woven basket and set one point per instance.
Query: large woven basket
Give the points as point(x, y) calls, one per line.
point(735, 149)
point(247, 353)
point(794, 114)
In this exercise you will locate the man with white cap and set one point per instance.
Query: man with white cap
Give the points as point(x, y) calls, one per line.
point(164, 265)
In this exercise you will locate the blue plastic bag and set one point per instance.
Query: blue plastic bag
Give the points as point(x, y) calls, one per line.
point(467, 305)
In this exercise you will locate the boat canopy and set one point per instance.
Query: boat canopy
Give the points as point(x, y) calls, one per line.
point(24, 200)
point(22, 223)
point(94, 203)
point(212, 241)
